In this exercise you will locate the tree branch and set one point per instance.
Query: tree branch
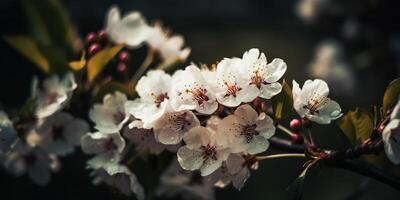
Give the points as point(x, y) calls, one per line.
point(345, 159)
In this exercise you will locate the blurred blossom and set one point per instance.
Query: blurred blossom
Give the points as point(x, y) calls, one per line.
point(350, 28)
point(110, 116)
point(145, 140)
point(53, 96)
point(234, 170)
point(328, 64)
point(8, 135)
point(308, 10)
point(59, 134)
point(176, 182)
point(391, 136)
point(36, 163)
point(132, 30)
point(107, 148)
point(119, 177)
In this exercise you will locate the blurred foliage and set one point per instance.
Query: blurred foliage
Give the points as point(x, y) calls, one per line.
point(51, 39)
point(391, 95)
point(97, 63)
point(283, 102)
point(357, 125)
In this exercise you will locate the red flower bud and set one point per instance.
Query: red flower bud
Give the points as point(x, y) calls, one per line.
point(295, 125)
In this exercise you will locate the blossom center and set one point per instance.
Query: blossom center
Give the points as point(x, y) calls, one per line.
point(249, 131)
point(58, 132)
point(118, 117)
point(257, 79)
point(199, 95)
point(180, 121)
point(208, 152)
point(159, 98)
point(231, 89)
point(315, 103)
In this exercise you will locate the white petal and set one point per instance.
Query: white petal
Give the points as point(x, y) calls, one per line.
point(190, 159)
point(246, 115)
point(265, 126)
point(209, 166)
point(275, 70)
point(270, 90)
point(241, 178)
point(391, 138)
point(197, 137)
point(257, 145)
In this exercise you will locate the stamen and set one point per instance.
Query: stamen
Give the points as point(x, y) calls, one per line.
point(209, 152)
point(315, 103)
point(231, 89)
point(249, 131)
point(159, 98)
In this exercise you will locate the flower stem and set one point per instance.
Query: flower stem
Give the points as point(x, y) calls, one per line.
point(284, 129)
point(284, 155)
point(142, 69)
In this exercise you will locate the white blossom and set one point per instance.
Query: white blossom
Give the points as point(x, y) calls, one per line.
point(154, 91)
point(132, 30)
point(8, 135)
point(178, 183)
point(33, 161)
point(312, 102)
point(231, 88)
point(144, 139)
point(119, 177)
point(58, 134)
point(53, 96)
point(169, 47)
point(391, 136)
point(106, 148)
point(172, 126)
point(191, 91)
point(110, 116)
point(234, 170)
point(204, 150)
point(261, 76)
point(248, 131)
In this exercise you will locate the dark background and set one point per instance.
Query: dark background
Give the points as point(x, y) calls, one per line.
point(226, 28)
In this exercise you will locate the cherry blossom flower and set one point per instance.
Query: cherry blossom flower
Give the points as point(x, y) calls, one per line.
point(110, 116)
point(132, 30)
point(169, 47)
point(312, 102)
point(58, 134)
point(178, 183)
point(8, 136)
point(191, 91)
point(391, 136)
point(249, 132)
point(204, 150)
point(53, 96)
point(33, 161)
point(261, 76)
point(172, 126)
point(234, 170)
point(231, 88)
point(119, 177)
point(106, 148)
point(154, 91)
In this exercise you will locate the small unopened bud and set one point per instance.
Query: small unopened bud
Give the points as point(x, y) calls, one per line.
point(102, 35)
point(124, 56)
point(297, 138)
point(306, 123)
point(91, 37)
point(295, 125)
point(257, 102)
point(121, 67)
point(94, 48)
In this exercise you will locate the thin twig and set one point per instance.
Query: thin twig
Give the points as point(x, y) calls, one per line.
point(284, 155)
point(284, 129)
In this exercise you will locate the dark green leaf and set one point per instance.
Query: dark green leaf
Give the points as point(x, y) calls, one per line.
point(357, 125)
point(296, 189)
point(283, 102)
point(391, 95)
point(29, 49)
point(97, 63)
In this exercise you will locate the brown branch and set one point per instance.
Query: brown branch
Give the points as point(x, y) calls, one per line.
point(345, 159)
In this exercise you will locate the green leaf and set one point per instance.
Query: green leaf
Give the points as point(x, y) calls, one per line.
point(391, 95)
point(97, 63)
point(296, 189)
point(283, 102)
point(29, 49)
point(79, 64)
point(357, 125)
